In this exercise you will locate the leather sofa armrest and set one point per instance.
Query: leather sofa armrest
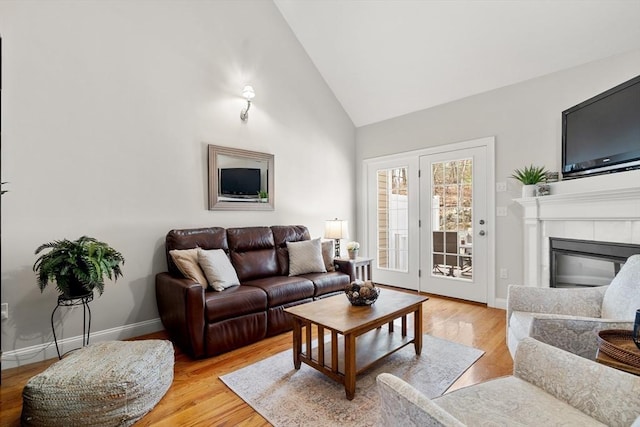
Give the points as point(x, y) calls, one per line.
point(181, 307)
point(347, 267)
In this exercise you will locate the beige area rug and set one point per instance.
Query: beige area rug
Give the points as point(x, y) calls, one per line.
point(286, 397)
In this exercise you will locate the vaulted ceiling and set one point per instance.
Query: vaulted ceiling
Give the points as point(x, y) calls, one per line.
point(386, 58)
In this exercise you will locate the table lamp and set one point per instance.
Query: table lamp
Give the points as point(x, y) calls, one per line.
point(336, 229)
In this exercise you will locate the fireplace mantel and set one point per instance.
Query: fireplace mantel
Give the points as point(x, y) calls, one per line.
point(619, 204)
point(606, 214)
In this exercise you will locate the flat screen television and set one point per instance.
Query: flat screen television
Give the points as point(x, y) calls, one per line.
point(240, 182)
point(602, 134)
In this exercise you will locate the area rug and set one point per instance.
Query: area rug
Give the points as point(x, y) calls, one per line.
point(286, 397)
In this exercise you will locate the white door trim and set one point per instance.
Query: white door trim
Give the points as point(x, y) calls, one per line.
point(489, 143)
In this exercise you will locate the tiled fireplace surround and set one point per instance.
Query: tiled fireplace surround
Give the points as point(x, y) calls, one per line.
point(604, 208)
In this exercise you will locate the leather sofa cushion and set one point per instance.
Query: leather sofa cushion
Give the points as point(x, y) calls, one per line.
point(242, 239)
point(253, 252)
point(234, 302)
point(254, 264)
point(325, 283)
point(283, 289)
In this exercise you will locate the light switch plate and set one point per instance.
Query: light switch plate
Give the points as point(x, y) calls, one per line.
point(501, 187)
point(501, 211)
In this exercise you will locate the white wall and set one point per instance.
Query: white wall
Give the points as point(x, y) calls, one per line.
point(107, 109)
point(526, 121)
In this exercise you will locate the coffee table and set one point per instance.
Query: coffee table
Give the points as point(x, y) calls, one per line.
point(357, 337)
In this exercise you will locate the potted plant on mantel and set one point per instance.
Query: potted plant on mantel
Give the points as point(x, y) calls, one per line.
point(529, 176)
point(77, 267)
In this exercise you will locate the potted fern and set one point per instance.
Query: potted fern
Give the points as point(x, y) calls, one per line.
point(77, 267)
point(529, 176)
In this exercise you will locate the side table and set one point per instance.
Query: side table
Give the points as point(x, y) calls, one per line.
point(617, 349)
point(605, 359)
point(83, 300)
point(362, 267)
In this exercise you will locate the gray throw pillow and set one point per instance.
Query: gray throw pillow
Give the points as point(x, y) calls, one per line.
point(305, 257)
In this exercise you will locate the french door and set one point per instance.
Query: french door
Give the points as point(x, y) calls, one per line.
point(392, 206)
point(428, 220)
point(454, 224)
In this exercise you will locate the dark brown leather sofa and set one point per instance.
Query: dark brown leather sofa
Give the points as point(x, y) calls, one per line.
point(205, 323)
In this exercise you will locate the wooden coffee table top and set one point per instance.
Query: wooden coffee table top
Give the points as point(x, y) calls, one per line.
point(338, 314)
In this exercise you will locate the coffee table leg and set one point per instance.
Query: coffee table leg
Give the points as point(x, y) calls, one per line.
point(297, 342)
point(417, 329)
point(350, 365)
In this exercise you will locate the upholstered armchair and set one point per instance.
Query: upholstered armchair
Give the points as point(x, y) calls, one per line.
point(549, 386)
point(571, 318)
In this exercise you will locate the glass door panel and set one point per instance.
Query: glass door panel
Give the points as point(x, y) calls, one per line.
point(452, 216)
point(392, 234)
point(392, 219)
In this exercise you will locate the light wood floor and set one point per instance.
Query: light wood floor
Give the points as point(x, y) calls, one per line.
point(198, 398)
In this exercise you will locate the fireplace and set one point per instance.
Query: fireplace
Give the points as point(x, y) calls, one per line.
point(578, 263)
point(601, 209)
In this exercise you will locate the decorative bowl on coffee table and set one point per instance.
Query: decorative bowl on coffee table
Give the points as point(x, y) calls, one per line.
point(361, 293)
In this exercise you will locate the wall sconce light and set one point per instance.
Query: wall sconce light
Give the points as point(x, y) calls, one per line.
point(336, 229)
point(248, 94)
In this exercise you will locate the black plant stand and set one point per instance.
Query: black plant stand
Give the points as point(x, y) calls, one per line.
point(65, 301)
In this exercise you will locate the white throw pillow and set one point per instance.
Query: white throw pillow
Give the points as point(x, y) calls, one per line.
point(622, 297)
point(305, 257)
point(218, 269)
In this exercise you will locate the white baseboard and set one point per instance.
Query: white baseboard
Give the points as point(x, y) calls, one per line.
point(40, 352)
point(500, 303)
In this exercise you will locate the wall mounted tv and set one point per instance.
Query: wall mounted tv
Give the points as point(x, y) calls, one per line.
point(243, 182)
point(602, 134)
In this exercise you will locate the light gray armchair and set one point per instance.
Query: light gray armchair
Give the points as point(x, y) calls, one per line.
point(571, 318)
point(549, 387)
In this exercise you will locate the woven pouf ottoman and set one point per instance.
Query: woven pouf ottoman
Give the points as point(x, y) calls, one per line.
point(112, 383)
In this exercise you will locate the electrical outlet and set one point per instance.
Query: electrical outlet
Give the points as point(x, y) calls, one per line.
point(504, 273)
point(501, 211)
point(4, 311)
point(501, 187)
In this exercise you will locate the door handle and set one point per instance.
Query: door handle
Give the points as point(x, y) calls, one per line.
point(481, 232)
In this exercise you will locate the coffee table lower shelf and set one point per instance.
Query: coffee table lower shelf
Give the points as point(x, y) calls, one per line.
point(370, 348)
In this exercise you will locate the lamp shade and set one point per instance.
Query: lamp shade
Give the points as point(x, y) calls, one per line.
point(336, 229)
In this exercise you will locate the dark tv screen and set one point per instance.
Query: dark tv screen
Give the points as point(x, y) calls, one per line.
point(602, 134)
point(240, 181)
